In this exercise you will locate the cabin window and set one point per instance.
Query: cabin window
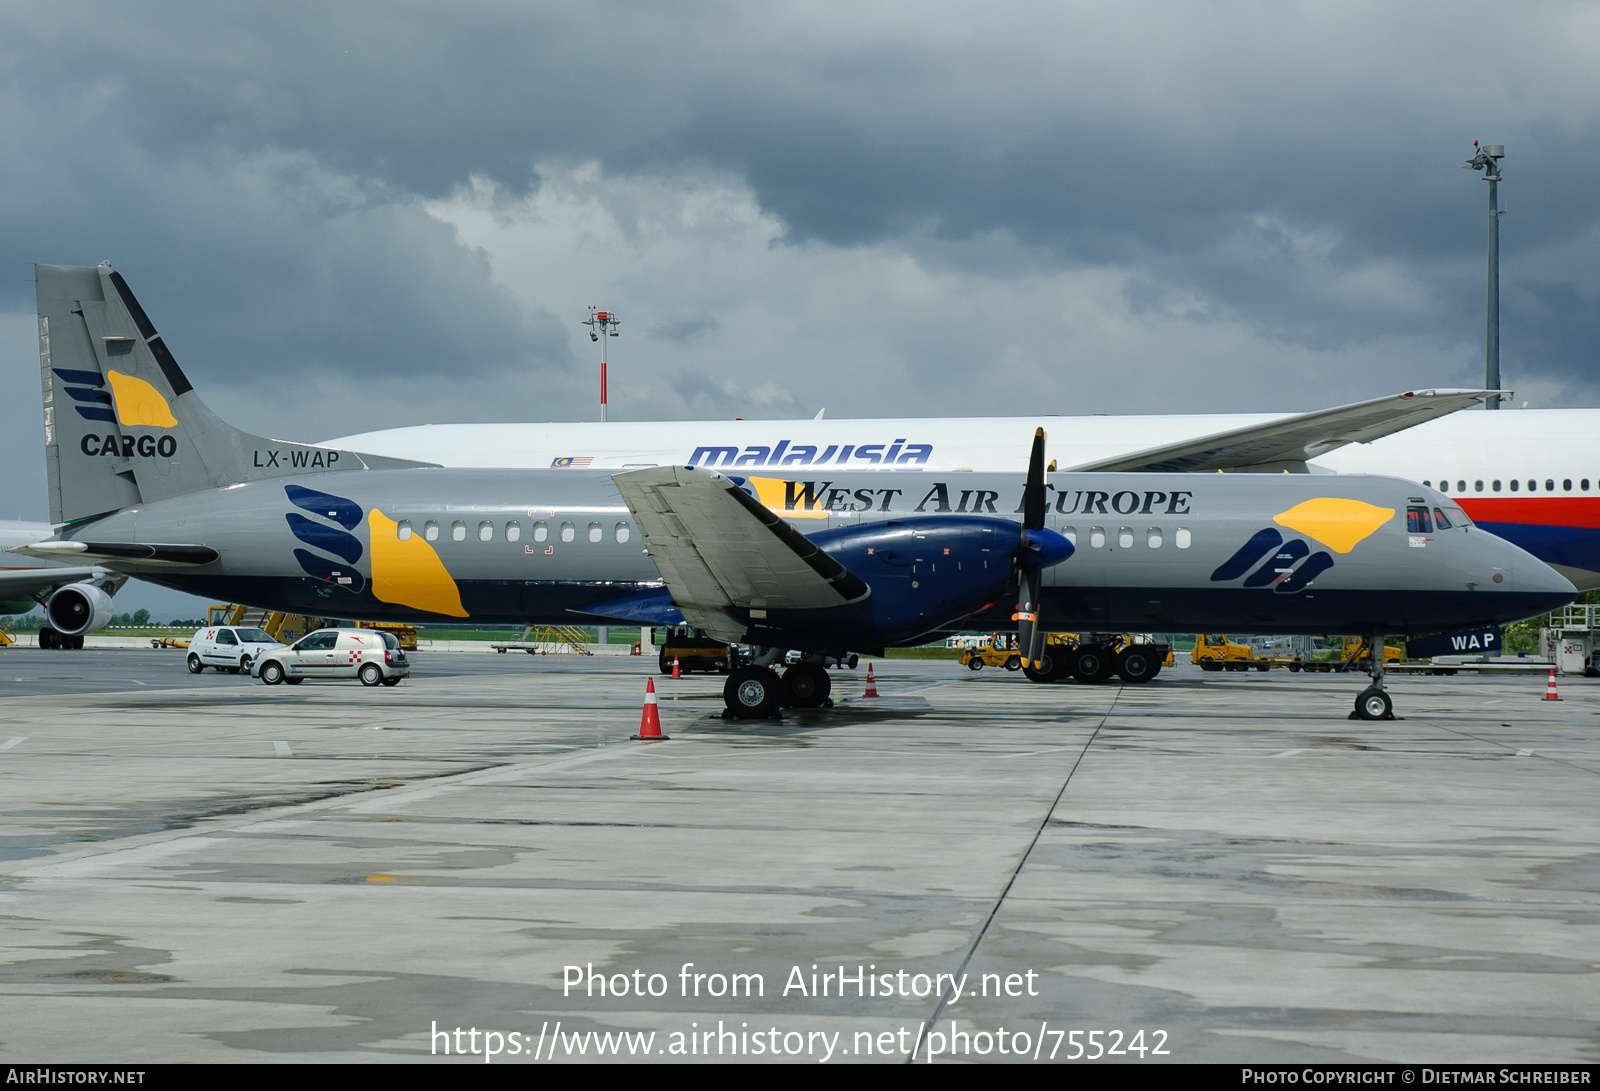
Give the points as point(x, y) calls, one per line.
point(485, 531)
point(624, 532)
point(1496, 485)
point(1152, 537)
point(1533, 486)
point(1549, 485)
point(458, 531)
point(594, 532)
point(1515, 483)
point(402, 530)
point(430, 530)
point(513, 532)
point(568, 532)
point(1566, 486)
point(1182, 539)
point(1417, 521)
point(1125, 538)
point(1070, 534)
point(1428, 484)
point(540, 531)
point(1097, 537)
point(1461, 486)
point(1584, 484)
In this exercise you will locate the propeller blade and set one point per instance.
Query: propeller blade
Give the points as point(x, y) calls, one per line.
point(1030, 634)
point(1033, 498)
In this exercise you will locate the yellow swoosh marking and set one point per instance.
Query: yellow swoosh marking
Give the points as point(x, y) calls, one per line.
point(1338, 524)
point(139, 405)
point(409, 573)
point(774, 496)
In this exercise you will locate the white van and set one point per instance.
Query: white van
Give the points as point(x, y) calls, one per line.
point(373, 656)
point(231, 648)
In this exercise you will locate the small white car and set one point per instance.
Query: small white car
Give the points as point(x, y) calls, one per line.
point(231, 648)
point(373, 656)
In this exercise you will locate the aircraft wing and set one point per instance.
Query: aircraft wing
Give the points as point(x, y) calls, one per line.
point(15, 583)
point(716, 547)
point(1296, 438)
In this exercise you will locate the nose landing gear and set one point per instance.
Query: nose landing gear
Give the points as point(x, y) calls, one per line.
point(1373, 703)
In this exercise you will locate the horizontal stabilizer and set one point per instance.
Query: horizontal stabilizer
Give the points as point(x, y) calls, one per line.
point(1298, 438)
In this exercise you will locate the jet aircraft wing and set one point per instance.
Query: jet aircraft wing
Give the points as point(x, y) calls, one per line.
point(716, 547)
point(1298, 438)
point(26, 581)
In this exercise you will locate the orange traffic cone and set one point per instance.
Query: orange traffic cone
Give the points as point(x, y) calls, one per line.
point(676, 673)
point(650, 722)
point(1550, 693)
point(872, 683)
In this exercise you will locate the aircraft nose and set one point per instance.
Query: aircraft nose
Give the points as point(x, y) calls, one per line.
point(1535, 586)
point(1047, 547)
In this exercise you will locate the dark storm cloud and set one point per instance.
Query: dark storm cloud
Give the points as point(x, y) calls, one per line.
point(1247, 163)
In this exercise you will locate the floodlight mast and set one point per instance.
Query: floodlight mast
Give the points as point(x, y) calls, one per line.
point(1487, 159)
point(602, 324)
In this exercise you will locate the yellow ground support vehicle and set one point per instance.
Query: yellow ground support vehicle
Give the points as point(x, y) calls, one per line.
point(999, 651)
point(1217, 653)
point(694, 651)
point(405, 634)
point(1095, 657)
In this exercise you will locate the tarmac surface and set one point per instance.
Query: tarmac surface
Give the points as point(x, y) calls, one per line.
point(205, 868)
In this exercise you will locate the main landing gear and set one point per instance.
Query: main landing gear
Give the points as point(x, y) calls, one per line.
point(756, 692)
point(1373, 703)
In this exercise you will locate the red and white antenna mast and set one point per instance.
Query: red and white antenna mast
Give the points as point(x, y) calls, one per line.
point(602, 324)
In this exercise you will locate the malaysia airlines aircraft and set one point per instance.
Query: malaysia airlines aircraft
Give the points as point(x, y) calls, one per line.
point(1530, 476)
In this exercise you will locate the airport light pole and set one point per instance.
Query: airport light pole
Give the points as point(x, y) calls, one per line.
point(602, 324)
point(1487, 159)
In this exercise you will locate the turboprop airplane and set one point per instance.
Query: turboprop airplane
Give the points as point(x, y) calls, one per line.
point(1532, 477)
point(147, 478)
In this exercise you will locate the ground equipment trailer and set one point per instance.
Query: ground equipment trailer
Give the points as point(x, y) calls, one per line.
point(1097, 657)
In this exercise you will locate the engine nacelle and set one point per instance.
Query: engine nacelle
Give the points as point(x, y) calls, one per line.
point(78, 608)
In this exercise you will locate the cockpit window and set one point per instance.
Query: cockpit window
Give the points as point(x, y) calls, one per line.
point(1418, 522)
point(1439, 519)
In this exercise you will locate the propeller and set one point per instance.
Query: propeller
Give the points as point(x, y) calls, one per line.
point(1030, 570)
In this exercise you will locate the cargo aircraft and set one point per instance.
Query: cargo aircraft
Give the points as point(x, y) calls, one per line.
point(1532, 477)
point(144, 477)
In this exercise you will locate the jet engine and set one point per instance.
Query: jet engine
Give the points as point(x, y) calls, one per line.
point(78, 608)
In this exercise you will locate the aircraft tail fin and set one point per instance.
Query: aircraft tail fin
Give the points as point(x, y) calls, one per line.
point(123, 424)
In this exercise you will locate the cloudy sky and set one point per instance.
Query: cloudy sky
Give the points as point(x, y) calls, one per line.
point(355, 215)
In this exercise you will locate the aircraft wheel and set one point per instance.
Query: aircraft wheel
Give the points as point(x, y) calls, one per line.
point(808, 685)
point(1135, 664)
point(975, 664)
point(1092, 664)
point(1374, 704)
point(1044, 672)
point(752, 693)
point(272, 673)
point(1014, 663)
point(372, 675)
point(195, 666)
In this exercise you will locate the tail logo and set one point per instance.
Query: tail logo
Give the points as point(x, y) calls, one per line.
point(140, 405)
point(88, 389)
